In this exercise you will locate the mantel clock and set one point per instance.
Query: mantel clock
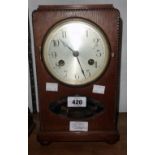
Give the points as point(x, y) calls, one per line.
point(77, 62)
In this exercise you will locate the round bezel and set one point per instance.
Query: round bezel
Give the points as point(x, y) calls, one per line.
point(46, 44)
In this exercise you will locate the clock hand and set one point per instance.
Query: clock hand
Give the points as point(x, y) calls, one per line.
point(67, 46)
point(75, 54)
point(81, 67)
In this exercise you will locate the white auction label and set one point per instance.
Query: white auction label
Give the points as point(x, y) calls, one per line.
point(76, 101)
point(98, 89)
point(51, 86)
point(78, 126)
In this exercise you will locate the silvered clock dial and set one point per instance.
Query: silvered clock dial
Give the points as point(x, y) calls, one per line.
point(75, 51)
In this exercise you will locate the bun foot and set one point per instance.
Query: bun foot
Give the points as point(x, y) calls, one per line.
point(44, 143)
point(113, 140)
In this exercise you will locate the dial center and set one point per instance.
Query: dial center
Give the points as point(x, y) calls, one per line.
point(75, 53)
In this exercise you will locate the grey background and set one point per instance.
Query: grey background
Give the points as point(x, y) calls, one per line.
point(119, 4)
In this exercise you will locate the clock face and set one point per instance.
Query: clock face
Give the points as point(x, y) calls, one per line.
point(75, 52)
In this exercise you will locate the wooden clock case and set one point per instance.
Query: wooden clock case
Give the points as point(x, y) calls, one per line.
point(102, 126)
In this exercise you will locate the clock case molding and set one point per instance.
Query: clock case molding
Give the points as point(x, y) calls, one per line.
point(103, 126)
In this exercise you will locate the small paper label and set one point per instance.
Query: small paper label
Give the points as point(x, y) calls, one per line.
point(78, 126)
point(77, 101)
point(98, 89)
point(52, 87)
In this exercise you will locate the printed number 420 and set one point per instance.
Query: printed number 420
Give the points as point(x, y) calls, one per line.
point(79, 102)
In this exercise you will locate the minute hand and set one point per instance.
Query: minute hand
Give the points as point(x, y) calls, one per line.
point(81, 67)
point(67, 46)
point(75, 53)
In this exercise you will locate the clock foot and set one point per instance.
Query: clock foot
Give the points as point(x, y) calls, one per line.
point(113, 138)
point(44, 143)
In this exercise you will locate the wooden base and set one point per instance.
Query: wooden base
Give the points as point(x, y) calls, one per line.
point(45, 138)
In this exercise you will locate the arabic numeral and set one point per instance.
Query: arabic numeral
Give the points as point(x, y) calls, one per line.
point(55, 43)
point(98, 54)
point(65, 73)
point(95, 64)
point(77, 102)
point(87, 33)
point(77, 76)
point(96, 42)
point(64, 35)
point(88, 72)
point(53, 54)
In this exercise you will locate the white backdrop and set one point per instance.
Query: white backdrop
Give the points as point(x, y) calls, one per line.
point(119, 4)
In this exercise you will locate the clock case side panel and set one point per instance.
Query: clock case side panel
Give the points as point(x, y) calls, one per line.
point(46, 118)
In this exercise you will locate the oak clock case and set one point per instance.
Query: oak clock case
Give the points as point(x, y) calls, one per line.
point(77, 64)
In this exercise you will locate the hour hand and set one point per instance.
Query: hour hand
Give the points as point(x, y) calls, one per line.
point(66, 45)
point(75, 54)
